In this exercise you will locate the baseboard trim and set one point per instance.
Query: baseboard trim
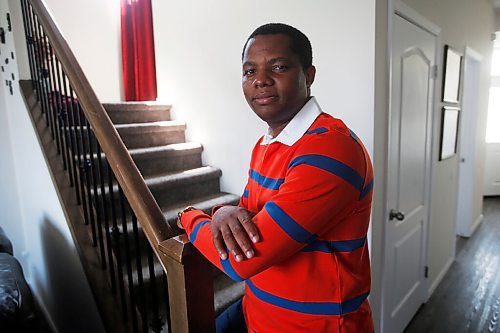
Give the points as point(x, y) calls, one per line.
point(440, 277)
point(476, 224)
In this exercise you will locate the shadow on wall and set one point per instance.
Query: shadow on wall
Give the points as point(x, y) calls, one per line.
point(65, 292)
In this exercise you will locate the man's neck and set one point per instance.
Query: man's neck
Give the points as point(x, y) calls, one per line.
point(275, 129)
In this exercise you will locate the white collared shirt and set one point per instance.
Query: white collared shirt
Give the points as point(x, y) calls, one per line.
point(299, 124)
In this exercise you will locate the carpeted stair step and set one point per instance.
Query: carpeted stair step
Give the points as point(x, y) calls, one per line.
point(173, 188)
point(167, 158)
point(155, 160)
point(227, 291)
point(204, 203)
point(137, 112)
point(140, 135)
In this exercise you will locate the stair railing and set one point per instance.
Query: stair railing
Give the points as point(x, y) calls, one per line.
point(112, 193)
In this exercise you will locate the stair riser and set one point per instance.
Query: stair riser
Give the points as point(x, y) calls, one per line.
point(170, 196)
point(154, 166)
point(138, 116)
point(151, 139)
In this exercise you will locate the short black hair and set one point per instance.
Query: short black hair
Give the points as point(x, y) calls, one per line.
point(299, 43)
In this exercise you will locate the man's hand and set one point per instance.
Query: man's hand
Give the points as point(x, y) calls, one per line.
point(233, 226)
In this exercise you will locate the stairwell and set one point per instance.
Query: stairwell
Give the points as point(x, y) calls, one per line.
point(121, 178)
point(172, 168)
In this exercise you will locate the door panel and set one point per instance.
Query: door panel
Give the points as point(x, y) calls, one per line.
point(414, 95)
point(407, 281)
point(412, 86)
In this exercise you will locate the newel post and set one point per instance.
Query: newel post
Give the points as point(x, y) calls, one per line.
point(190, 287)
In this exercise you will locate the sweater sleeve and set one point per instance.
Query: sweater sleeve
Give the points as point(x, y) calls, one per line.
point(244, 198)
point(318, 191)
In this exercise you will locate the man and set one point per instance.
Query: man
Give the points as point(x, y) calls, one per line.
point(298, 236)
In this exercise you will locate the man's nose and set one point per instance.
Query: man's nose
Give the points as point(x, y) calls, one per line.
point(262, 79)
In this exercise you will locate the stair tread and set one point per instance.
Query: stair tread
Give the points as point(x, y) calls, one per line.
point(169, 149)
point(174, 149)
point(154, 124)
point(226, 292)
point(204, 203)
point(162, 124)
point(183, 177)
point(136, 106)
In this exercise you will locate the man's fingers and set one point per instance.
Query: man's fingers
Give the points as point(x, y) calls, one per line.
point(219, 243)
point(231, 243)
point(245, 219)
point(241, 237)
point(234, 231)
point(179, 224)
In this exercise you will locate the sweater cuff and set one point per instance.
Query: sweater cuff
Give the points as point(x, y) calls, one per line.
point(216, 208)
point(190, 219)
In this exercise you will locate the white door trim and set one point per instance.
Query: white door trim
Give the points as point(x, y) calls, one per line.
point(414, 17)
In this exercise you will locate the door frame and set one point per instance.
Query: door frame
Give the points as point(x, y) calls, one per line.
point(460, 229)
point(397, 7)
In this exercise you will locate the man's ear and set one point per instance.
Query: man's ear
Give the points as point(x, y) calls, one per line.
point(310, 75)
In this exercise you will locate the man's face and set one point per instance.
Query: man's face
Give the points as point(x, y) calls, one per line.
point(274, 83)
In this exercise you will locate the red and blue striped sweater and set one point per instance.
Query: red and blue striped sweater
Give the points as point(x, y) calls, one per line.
point(311, 270)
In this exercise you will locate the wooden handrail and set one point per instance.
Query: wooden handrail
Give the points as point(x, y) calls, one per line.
point(138, 194)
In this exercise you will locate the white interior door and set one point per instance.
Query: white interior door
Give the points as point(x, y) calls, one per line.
point(466, 222)
point(412, 93)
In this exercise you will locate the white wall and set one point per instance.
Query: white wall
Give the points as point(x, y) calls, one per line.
point(497, 20)
point(92, 30)
point(470, 23)
point(198, 56)
point(380, 157)
point(9, 202)
point(34, 217)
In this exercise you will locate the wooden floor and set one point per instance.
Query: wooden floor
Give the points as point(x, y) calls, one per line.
point(468, 298)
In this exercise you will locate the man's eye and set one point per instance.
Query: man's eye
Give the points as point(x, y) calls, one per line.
point(280, 68)
point(248, 72)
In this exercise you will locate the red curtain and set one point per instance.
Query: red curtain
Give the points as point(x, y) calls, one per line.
point(138, 52)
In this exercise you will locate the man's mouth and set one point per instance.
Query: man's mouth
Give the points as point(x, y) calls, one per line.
point(265, 98)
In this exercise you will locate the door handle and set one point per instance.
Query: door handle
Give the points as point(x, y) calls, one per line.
point(394, 214)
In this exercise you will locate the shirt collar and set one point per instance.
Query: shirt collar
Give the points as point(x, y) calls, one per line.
point(299, 124)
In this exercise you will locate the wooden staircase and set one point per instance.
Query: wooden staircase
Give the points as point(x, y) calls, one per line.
point(172, 168)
